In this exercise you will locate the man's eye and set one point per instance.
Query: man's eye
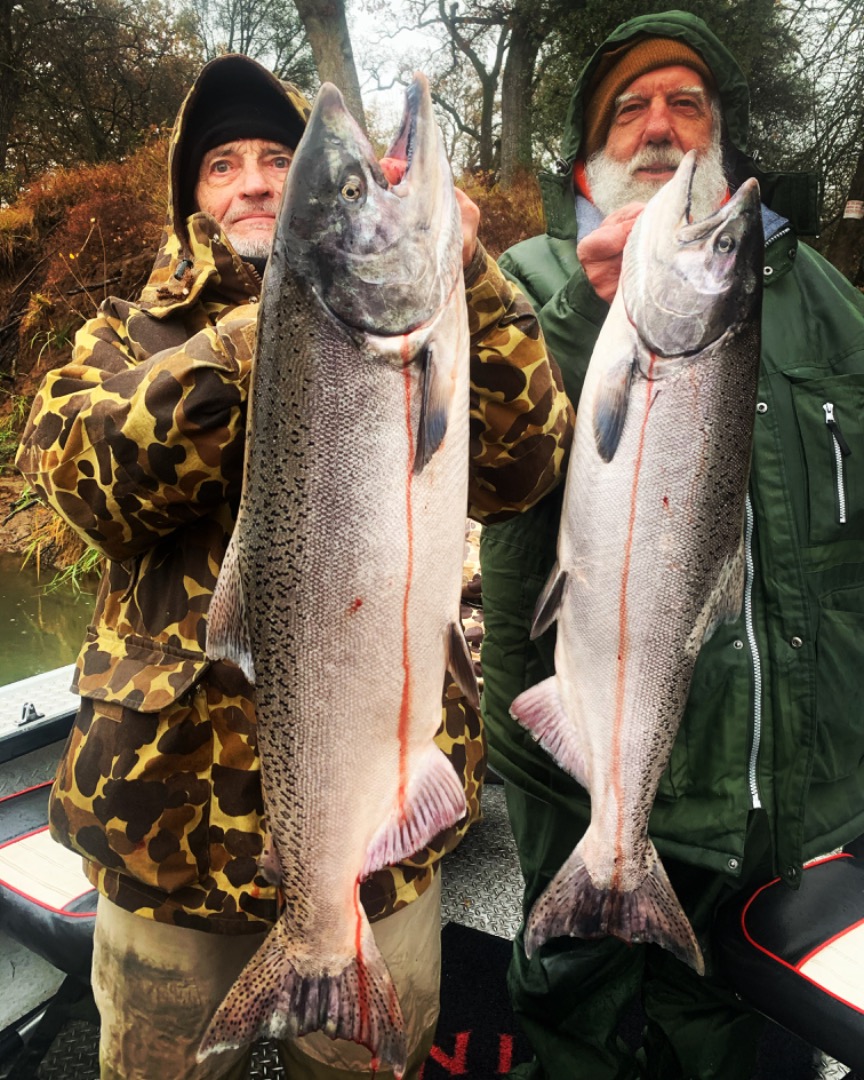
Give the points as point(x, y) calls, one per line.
point(282, 162)
point(220, 166)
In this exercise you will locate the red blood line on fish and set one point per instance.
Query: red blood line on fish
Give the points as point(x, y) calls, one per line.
point(622, 634)
point(405, 707)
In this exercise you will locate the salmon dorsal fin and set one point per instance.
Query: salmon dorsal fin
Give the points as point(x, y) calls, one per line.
point(434, 801)
point(461, 664)
point(434, 407)
point(610, 405)
point(541, 712)
point(227, 628)
point(549, 602)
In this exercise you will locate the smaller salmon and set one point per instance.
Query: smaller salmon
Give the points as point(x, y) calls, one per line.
point(650, 549)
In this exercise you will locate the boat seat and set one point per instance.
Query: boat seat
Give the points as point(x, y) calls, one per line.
point(797, 956)
point(46, 901)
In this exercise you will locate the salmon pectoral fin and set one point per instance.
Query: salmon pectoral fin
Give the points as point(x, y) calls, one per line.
point(540, 711)
point(227, 628)
point(433, 802)
point(610, 406)
point(549, 602)
point(434, 409)
point(461, 664)
point(270, 999)
point(572, 906)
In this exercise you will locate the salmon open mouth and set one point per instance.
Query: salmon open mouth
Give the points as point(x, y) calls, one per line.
point(399, 158)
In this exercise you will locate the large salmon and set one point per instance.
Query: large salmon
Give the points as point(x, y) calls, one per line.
point(650, 549)
point(340, 591)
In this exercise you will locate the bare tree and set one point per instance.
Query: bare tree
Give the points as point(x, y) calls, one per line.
point(326, 27)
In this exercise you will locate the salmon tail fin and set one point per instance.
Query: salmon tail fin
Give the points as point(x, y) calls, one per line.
point(434, 800)
point(541, 712)
point(271, 999)
point(572, 906)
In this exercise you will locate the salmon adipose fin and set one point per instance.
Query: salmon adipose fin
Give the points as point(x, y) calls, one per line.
point(270, 999)
point(227, 627)
point(434, 801)
point(572, 906)
point(541, 712)
point(461, 664)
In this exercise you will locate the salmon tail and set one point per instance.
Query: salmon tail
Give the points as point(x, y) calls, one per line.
point(271, 999)
point(572, 906)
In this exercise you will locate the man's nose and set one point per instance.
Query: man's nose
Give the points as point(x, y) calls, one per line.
point(256, 183)
point(658, 123)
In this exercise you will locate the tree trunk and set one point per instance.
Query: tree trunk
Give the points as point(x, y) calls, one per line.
point(327, 30)
point(516, 92)
point(847, 245)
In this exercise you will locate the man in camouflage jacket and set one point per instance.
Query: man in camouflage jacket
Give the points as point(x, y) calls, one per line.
point(138, 443)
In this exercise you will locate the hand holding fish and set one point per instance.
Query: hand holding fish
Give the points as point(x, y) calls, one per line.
point(601, 252)
point(470, 214)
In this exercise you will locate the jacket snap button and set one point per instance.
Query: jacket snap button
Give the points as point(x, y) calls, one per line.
point(733, 864)
point(796, 642)
point(768, 271)
point(761, 407)
point(738, 644)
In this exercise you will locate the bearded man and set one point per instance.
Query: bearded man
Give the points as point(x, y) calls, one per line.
point(768, 765)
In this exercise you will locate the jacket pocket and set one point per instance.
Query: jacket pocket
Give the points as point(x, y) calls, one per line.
point(839, 710)
point(133, 792)
point(830, 414)
point(136, 672)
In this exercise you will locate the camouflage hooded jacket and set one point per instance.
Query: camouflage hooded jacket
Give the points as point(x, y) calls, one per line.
point(138, 443)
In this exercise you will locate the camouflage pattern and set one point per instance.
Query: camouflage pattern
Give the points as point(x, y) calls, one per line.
point(138, 443)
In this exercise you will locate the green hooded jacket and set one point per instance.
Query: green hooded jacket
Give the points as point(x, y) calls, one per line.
point(775, 716)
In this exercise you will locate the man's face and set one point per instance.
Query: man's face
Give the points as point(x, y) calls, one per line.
point(240, 183)
point(657, 119)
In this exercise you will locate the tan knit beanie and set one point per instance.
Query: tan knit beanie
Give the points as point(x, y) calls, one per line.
point(619, 68)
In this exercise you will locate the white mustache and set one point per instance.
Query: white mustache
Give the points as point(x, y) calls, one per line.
point(662, 154)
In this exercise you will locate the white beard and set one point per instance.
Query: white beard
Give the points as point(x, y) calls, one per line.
point(256, 247)
point(613, 183)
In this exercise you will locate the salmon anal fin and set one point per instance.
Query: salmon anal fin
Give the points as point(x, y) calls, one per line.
point(549, 602)
point(435, 801)
point(434, 407)
point(610, 406)
point(724, 602)
point(270, 999)
point(540, 711)
point(227, 628)
point(461, 664)
point(572, 906)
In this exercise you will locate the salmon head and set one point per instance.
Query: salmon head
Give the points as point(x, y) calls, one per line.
point(382, 259)
point(685, 283)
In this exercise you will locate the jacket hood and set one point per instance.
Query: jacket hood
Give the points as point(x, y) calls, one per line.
point(679, 25)
point(186, 259)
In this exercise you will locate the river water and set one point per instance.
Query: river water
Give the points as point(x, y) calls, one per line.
point(39, 631)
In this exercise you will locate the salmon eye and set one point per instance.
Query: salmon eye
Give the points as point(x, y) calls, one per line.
point(725, 243)
point(352, 188)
